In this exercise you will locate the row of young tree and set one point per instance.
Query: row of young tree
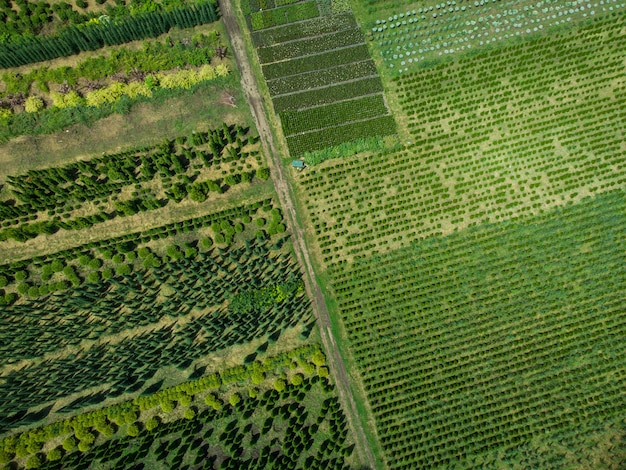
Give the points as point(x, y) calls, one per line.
point(104, 32)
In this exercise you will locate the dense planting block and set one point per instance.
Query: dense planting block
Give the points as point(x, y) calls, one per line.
point(318, 139)
point(320, 78)
point(310, 45)
point(314, 27)
point(294, 122)
point(316, 62)
point(480, 340)
point(329, 94)
point(280, 16)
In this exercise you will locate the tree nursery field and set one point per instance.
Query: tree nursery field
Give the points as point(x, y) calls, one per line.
point(442, 285)
point(153, 314)
point(477, 268)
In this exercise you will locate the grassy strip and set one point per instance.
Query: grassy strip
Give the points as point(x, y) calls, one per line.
point(332, 115)
point(316, 62)
point(308, 46)
point(313, 27)
point(327, 95)
point(320, 78)
point(347, 149)
point(298, 144)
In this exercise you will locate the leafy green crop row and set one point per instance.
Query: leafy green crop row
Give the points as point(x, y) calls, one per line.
point(153, 57)
point(326, 95)
point(320, 61)
point(320, 78)
point(287, 14)
point(332, 115)
point(310, 45)
point(313, 27)
point(298, 144)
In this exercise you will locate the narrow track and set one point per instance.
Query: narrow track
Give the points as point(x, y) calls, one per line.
point(335, 360)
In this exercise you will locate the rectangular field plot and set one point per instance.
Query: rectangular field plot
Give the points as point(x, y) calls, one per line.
point(316, 62)
point(284, 15)
point(424, 32)
point(509, 133)
point(472, 345)
point(332, 115)
point(315, 140)
point(330, 94)
point(321, 78)
point(313, 27)
point(310, 45)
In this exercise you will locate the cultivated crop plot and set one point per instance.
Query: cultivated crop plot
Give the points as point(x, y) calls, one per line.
point(478, 269)
point(152, 313)
point(322, 80)
point(436, 30)
point(534, 134)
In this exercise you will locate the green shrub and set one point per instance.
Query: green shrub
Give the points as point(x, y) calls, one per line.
point(84, 446)
point(318, 358)
point(189, 414)
point(34, 461)
point(5, 457)
point(167, 406)
point(152, 424)
point(107, 273)
point(234, 399)
point(23, 288)
point(21, 275)
point(69, 444)
point(54, 455)
point(206, 242)
point(297, 379)
point(132, 430)
point(123, 270)
point(280, 385)
point(263, 173)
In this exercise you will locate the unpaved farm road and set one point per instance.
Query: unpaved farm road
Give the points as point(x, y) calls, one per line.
point(335, 360)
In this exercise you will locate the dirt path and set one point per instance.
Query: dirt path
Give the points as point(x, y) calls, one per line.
point(335, 360)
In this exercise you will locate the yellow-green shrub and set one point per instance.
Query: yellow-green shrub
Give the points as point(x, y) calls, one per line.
point(108, 94)
point(134, 89)
point(69, 100)
point(33, 104)
point(5, 113)
point(222, 70)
